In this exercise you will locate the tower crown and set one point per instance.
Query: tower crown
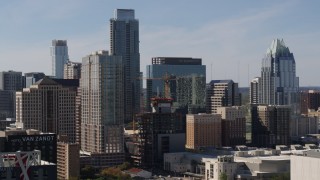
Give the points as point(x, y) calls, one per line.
point(278, 47)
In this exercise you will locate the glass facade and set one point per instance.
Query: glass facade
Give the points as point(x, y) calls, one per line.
point(278, 83)
point(156, 73)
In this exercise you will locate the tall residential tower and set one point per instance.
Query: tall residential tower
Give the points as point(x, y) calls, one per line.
point(102, 107)
point(124, 42)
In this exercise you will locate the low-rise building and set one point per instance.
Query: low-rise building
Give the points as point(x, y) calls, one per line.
point(306, 166)
point(182, 162)
point(221, 167)
point(16, 139)
point(26, 165)
point(261, 163)
point(100, 160)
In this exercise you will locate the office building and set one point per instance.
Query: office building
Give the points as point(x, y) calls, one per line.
point(303, 125)
point(102, 107)
point(222, 93)
point(190, 90)
point(305, 166)
point(278, 84)
point(59, 57)
point(254, 91)
point(159, 132)
point(6, 123)
point(32, 77)
point(72, 70)
point(270, 125)
point(49, 106)
point(186, 77)
point(203, 131)
point(233, 125)
point(7, 104)
point(68, 160)
point(11, 80)
point(124, 42)
point(309, 101)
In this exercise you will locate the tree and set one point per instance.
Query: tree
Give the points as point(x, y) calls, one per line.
point(223, 176)
point(124, 166)
point(88, 172)
point(284, 176)
point(114, 173)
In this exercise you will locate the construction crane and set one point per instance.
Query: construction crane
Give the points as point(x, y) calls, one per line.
point(166, 78)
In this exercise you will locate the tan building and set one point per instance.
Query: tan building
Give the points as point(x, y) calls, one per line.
point(48, 106)
point(72, 70)
point(222, 93)
point(233, 125)
point(102, 108)
point(68, 160)
point(203, 130)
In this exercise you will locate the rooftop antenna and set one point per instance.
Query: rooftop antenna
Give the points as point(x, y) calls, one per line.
point(211, 72)
point(248, 75)
point(238, 71)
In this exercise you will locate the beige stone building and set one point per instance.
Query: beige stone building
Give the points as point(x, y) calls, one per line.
point(48, 106)
point(68, 160)
point(233, 125)
point(72, 70)
point(222, 93)
point(203, 130)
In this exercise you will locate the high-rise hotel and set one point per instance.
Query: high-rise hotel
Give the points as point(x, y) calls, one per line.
point(102, 108)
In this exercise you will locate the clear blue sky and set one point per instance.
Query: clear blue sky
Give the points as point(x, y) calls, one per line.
point(230, 35)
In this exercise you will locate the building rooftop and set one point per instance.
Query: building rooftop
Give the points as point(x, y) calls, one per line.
point(124, 14)
point(59, 42)
point(52, 81)
point(176, 61)
point(221, 81)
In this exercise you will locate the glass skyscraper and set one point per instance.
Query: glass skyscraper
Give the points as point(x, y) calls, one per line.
point(182, 70)
point(124, 42)
point(59, 55)
point(278, 84)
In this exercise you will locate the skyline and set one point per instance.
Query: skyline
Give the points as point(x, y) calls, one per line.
point(204, 30)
